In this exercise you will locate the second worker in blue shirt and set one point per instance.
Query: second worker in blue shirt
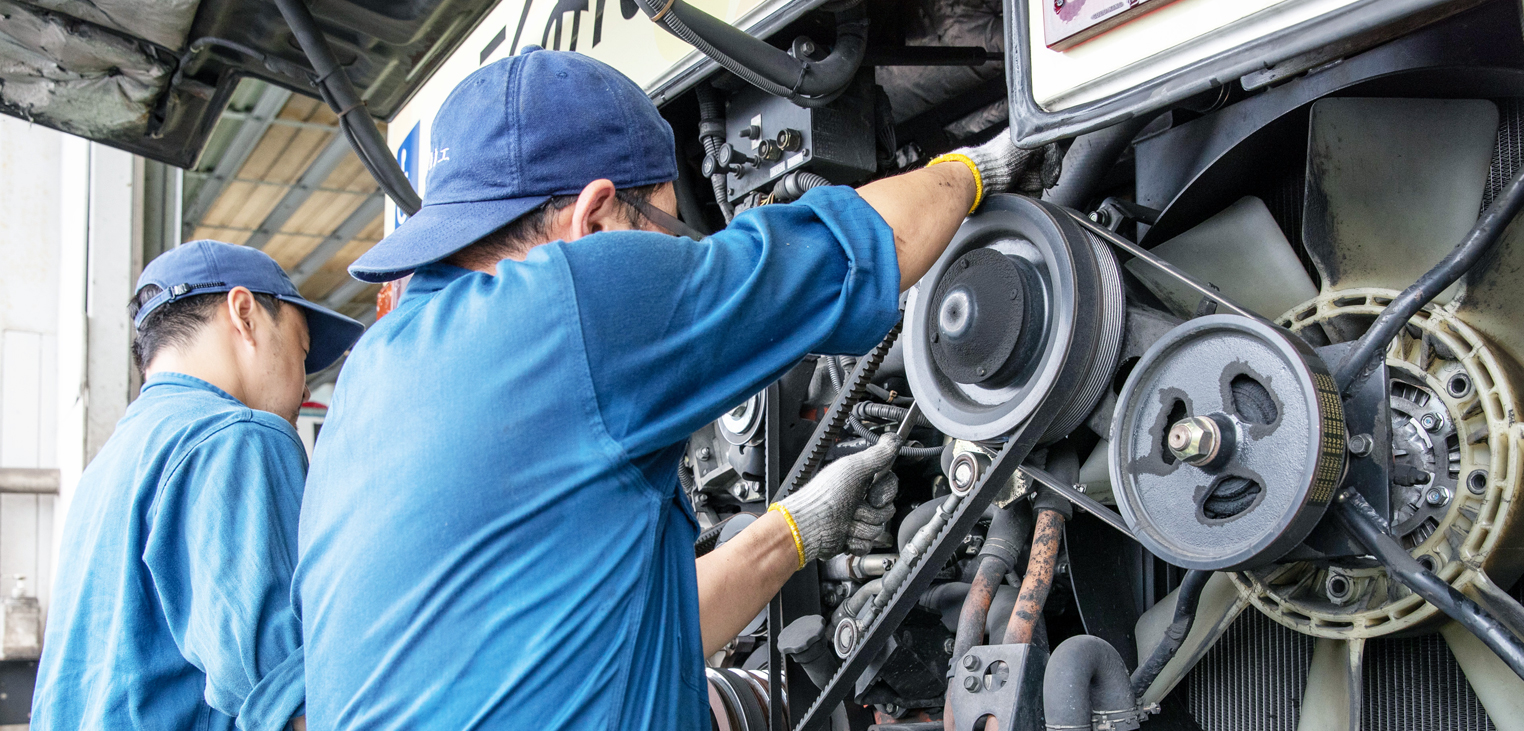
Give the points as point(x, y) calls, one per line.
point(492, 534)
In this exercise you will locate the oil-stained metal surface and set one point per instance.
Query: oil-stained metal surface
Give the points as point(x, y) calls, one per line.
point(74, 76)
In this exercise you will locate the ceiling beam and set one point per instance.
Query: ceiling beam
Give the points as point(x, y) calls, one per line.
point(369, 210)
point(312, 179)
point(250, 131)
point(342, 294)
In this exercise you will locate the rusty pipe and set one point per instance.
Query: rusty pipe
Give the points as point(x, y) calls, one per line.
point(1038, 579)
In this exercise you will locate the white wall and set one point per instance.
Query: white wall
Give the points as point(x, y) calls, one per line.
point(68, 233)
point(30, 235)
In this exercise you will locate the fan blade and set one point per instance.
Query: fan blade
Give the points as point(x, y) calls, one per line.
point(1333, 695)
point(1489, 299)
point(1498, 688)
point(1220, 604)
point(1393, 185)
point(1240, 251)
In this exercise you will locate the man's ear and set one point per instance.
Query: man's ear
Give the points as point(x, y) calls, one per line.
point(596, 209)
point(241, 306)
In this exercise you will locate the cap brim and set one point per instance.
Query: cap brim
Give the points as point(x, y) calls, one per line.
point(435, 232)
point(329, 333)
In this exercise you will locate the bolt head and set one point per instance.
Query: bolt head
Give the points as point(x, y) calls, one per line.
point(1360, 445)
point(1437, 496)
point(705, 454)
point(970, 662)
point(1194, 440)
point(1430, 422)
point(971, 684)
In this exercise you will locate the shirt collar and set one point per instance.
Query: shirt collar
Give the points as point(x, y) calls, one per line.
point(169, 382)
point(432, 278)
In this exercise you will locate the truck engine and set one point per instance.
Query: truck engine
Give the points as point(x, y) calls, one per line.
point(1212, 426)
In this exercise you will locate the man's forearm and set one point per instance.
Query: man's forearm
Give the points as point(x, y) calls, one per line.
point(737, 579)
point(924, 208)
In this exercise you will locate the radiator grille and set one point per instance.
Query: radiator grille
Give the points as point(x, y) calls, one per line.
point(1509, 153)
point(1415, 683)
point(1253, 680)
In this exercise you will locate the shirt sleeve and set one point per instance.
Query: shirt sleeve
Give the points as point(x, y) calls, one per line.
point(221, 549)
point(676, 331)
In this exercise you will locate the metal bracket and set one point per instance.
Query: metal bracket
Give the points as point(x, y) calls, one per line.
point(993, 680)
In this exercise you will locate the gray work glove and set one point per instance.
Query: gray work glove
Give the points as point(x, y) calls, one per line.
point(845, 506)
point(1000, 162)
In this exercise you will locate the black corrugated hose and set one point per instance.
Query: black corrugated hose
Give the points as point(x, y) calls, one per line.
point(712, 134)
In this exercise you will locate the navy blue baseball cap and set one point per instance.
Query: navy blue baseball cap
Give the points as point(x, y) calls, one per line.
point(208, 267)
point(512, 135)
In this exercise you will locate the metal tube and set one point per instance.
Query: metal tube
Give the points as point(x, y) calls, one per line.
point(1038, 579)
point(1078, 498)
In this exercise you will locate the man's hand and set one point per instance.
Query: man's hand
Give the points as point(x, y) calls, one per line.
point(837, 509)
point(1000, 162)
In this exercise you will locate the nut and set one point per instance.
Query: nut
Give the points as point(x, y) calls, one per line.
point(1360, 445)
point(971, 683)
point(1194, 440)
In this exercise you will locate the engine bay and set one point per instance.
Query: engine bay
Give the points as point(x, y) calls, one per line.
point(1154, 441)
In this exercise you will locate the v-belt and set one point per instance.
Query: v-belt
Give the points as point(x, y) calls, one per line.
point(1018, 446)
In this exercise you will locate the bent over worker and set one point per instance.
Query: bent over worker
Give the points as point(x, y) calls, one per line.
point(493, 535)
point(172, 606)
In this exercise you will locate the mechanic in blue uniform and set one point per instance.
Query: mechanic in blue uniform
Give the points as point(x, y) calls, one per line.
point(493, 535)
point(172, 607)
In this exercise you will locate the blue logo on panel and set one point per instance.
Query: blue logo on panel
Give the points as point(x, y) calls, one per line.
point(407, 157)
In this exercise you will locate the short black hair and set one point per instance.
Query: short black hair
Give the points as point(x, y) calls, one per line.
point(521, 234)
point(175, 323)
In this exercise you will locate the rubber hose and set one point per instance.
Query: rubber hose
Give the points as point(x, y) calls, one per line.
point(1089, 159)
point(712, 111)
point(1361, 519)
point(941, 598)
point(838, 377)
point(810, 84)
point(919, 453)
point(1038, 579)
point(1174, 635)
point(886, 412)
point(1085, 674)
point(794, 185)
point(1487, 232)
point(921, 515)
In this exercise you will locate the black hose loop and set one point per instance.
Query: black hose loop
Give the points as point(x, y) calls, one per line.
point(1186, 603)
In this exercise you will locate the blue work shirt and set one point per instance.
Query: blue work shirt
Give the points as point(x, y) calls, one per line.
point(493, 535)
point(172, 607)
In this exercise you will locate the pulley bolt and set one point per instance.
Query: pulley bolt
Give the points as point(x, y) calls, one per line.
point(1194, 440)
point(971, 684)
point(1360, 445)
point(1431, 422)
point(1437, 496)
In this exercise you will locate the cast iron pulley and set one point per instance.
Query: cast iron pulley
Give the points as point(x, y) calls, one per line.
point(1227, 444)
point(1020, 291)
